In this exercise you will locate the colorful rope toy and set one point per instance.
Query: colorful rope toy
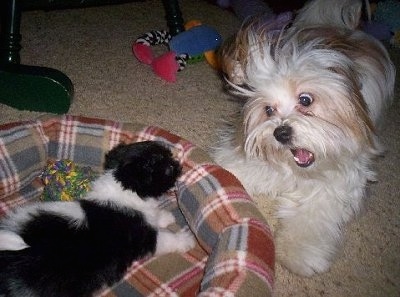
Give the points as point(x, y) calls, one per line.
point(65, 181)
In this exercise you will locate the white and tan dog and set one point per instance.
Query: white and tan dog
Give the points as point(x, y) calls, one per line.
point(306, 134)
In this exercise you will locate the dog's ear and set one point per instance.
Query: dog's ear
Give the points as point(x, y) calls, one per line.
point(340, 13)
point(134, 174)
point(233, 57)
point(255, 37)
point(115, 156)
point(234, 53)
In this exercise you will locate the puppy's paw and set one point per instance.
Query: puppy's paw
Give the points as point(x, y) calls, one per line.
point(185, 241)
point(11, 241)
point(159, 218)
point(302, 257)
point(165, 218)
point(169, 242)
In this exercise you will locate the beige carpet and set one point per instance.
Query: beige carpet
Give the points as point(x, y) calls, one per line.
point(93, 47)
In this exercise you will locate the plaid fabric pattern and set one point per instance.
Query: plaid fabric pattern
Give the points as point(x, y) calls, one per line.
point(235, 254)
point(230, 229)
point(23, 154)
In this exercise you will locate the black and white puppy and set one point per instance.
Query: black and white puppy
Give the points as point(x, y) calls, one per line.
point(76, 248)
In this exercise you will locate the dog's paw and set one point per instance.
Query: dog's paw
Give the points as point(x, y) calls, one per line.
point(304, 258)
point(11, 241)
point(169, 242)
point(184, 241)
point(165, 218)
point(159, 218)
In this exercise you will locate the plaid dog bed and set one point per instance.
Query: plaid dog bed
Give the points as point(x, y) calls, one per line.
point(235, 251)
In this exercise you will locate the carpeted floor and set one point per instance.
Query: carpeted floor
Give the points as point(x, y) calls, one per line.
point(93, 47)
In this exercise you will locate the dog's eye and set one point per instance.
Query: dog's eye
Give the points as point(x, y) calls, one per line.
point(305, 99)
point(269, 110)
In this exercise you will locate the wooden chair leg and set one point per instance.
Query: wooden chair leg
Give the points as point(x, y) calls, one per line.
point(27, 87)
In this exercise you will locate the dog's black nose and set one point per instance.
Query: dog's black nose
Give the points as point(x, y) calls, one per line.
point(283, 134)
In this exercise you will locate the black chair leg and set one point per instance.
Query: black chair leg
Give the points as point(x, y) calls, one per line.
point(27, 87)
point(173, 16)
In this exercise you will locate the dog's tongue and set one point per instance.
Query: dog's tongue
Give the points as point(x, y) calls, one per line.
point(303, 157)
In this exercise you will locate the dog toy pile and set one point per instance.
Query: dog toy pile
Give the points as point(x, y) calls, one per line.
point(194, 42)
point(65, 181)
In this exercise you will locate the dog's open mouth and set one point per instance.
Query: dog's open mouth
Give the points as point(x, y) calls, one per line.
point(303, 157)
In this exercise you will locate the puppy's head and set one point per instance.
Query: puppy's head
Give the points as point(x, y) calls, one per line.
point(309, 97)
point(146, 168)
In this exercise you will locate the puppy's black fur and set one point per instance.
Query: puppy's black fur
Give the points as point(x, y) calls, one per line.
point(72, 260)
point(150, 175)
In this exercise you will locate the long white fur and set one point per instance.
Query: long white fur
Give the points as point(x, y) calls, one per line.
point(313, 203)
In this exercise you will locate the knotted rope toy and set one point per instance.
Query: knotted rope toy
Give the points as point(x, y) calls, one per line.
point(65, 181)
